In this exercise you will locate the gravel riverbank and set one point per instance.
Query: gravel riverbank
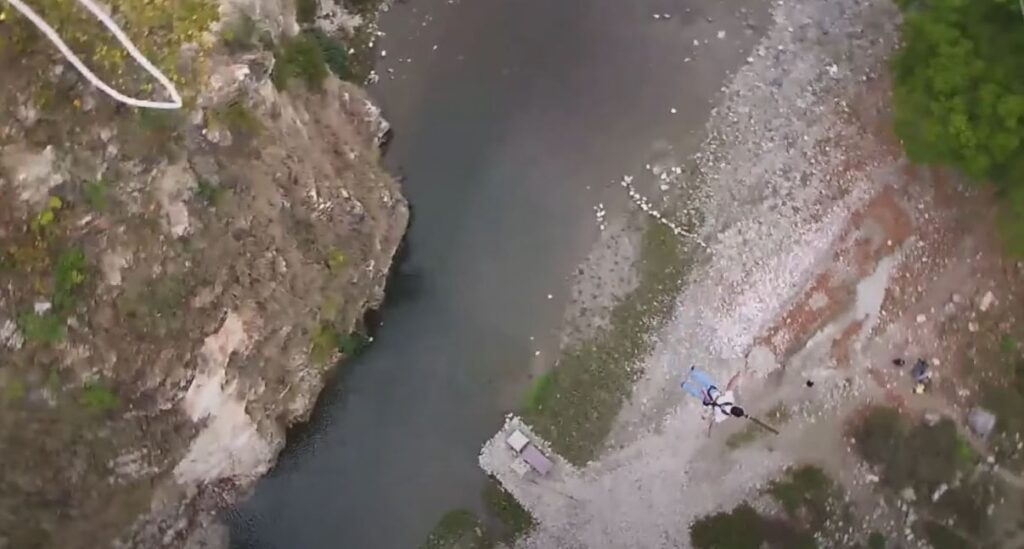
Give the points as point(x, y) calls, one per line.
point(775, 189)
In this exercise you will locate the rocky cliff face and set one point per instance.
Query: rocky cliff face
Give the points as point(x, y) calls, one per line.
point(175, 285)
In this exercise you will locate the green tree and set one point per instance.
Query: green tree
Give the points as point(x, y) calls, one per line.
point(736, 529)
point(959, 86)
point(959, 94)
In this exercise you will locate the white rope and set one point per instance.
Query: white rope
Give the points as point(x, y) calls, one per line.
point(174, 103)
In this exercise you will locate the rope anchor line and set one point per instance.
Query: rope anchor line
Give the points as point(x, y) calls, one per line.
point(47, 30)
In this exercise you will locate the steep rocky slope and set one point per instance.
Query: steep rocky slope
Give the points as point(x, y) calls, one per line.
point(174, 286)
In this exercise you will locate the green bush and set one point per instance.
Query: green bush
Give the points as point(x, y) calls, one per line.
point(44, 220)
point(458, 528)
point(69, 273)
point(363, 6)
point(301, 57)
point(212, 195)
point(959, 84)
point(48, 328)
point(98, 398)
point(967, 505)
point(959, 94)
point(240, 34)
point(878, 434)
point(876, 541)
point(934, 454)
point(1007, 402)
point(736, 529)
point(96, 195)
point(51, 327)
point(324, 342)
point(53, 383)
point(804, 494)
point(335, 54)
point(516, 519)
point(335, 260)
point(745, 528)
point(922, 457)
point(14, 391)
point(305, 11)
point(942, 537)
point(157, 122)
point(237, 117)
point(352, 344)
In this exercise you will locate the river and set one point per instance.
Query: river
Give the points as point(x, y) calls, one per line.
point(513, 119)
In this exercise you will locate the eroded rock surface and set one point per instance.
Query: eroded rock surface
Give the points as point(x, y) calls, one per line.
point(197, 270)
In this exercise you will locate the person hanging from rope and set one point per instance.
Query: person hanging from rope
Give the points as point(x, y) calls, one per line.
point(723, 404)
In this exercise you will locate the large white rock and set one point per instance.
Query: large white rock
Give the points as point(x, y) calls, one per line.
point(229, 446)
point(33, 173)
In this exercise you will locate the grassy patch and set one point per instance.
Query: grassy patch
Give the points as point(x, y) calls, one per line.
point(323, 344)
point(574, 408)
point(538, 391)
point(1008, 344)
point(876, 541)
point(211, 195)
point(335, 260)
point(151, 134)
point(53, 382)
point(14, 391)
point(300, 57)
point(48, 328)
point(458, 528)
point(747, 435)
point(44, 221)
point(943, 537)
point(97, 397)
point(777, 416)
point(158, 122)
point(96, 195)
point(516, 520)
point(238, 118)
point(335, 54)
point(326, 340)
